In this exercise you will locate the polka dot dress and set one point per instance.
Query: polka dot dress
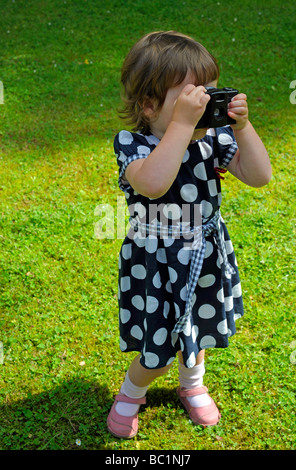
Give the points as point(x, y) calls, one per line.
point(154, 270)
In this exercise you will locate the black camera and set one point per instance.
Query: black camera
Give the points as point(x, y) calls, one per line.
point(215, 114)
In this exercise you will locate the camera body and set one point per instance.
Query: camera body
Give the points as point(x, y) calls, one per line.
point(215, 114)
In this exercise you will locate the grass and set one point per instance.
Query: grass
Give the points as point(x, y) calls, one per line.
point(60, 66)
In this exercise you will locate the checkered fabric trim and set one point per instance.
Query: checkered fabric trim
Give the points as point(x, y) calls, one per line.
point(127, 161)
point(229, 155)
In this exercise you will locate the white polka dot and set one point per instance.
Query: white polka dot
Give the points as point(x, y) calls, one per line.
point(161, 255)
point(183, 293)
point(173, 275)
point(168, 241)
point(212, 185)
point(151, 360)
point(207, 341)
point(136, 332)
point(124, 315)
point(186, 156)
point(151, 244)
point(191, 360)
point(236, 316)
point(152, 304)
point(140, 209)
point(207, 280)
point(166, 309)
point(122, 344)
point(183, 256)
point(143, 150)
point(160, 336)
point(156, 280)
point(220, 295)
point(171, 359)
point(127, 251)
point(172, 211)
point(228, 303)
point(207, 208)
point(125, 283)
point(219, 260)
point(219, 199)
point(200, 171)
point(138, 271)
point(222, 327)
point(138, 302)
point(177, 311)
point(122, 157)
point(139, 240)
point(205, 149)
point(193, 299)
point(151, 139)
point(125, 138)
point(174, 337)
point(237, 290)
point(194, 333)
point(187, 329)
point(206, 311)
point(211, 132)
point(229, 247)
point(225, 139)
point(189, 192)
point(168, 287)
point(209, 249)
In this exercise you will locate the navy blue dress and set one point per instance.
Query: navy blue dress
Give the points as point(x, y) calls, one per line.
point(173, 297)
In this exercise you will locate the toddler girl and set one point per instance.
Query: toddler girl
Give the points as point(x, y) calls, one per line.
point(179, 287)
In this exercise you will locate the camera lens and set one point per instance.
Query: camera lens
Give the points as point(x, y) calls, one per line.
point(219, 113)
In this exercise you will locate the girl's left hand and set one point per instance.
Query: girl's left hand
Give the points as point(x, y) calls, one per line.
point(238, 110)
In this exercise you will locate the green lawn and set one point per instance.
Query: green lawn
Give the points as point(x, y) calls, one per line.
point(61, 364)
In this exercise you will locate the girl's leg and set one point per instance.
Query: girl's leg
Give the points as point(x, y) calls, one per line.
point(135, 385)
point(191, 378)
point(199, 358)
point(200, 406)
point(143, 377)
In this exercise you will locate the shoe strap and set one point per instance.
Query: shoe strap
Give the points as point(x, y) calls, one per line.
point(126, 399)
point(192, 391)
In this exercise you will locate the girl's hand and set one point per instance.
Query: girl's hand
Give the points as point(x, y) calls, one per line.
point(190, 105)
point(238, 110)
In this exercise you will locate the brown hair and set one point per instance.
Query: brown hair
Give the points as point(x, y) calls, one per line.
point(157, 62)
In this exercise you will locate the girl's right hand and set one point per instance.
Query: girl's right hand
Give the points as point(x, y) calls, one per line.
point(190, 105)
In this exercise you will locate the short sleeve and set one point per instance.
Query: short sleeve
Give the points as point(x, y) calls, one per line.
point(129, 147)
point(227, 145)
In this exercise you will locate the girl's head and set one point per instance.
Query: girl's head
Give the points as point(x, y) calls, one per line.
point(157, 62)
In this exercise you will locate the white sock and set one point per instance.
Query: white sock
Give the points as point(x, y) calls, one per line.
point(132, 391)
point(192, 378)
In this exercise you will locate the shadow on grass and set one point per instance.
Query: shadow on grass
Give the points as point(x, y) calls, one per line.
point(70, 416)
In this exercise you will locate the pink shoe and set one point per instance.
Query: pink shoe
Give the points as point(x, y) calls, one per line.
point(124, 426)
point(205, 415)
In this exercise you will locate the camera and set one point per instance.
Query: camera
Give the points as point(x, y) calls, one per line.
point(215, 114)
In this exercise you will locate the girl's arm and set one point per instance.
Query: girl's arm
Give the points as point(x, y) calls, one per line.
point(153, 176)
point(251, 163)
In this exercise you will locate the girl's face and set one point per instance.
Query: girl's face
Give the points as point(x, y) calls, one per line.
point(159, 124)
